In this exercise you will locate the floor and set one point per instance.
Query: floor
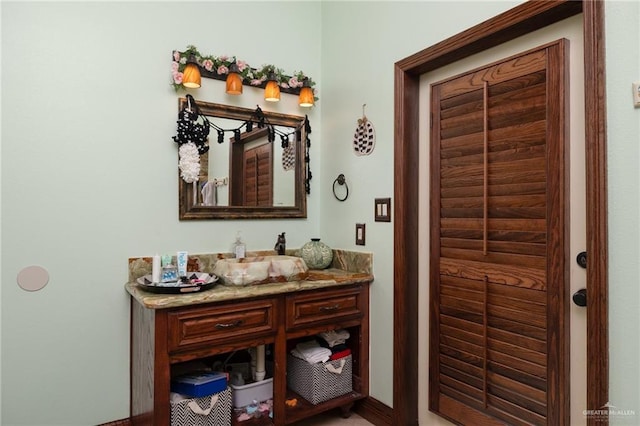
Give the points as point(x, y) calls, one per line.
point(333, 418)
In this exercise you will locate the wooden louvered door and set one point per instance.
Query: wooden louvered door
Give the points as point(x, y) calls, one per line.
point(499, 241)
point(258, 178)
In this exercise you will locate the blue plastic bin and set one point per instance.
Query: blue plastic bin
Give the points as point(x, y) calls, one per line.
point(199, 384)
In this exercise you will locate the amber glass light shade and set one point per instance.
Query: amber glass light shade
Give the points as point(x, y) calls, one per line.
point(234, 84)
point(272, 90)
point(191, 74)
point(306, 97)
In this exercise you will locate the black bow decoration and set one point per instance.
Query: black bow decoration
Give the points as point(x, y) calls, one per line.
point(189, 130)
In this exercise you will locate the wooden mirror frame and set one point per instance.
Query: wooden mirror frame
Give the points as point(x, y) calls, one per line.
point(188, 210)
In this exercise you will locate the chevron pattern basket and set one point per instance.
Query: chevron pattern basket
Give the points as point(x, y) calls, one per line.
point(319, 382)
point(212, 410)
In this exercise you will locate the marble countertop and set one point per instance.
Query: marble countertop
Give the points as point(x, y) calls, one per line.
point(317, 279)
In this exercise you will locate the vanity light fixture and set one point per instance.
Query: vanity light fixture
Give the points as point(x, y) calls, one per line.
point(188, 67)
point(306, 94)
point(272, 89)
point(234, 81)
point(191, 74)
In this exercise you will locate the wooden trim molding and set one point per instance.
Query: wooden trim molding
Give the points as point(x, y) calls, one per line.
point(369, 408)
point(405, 255)
point(597, 230)
point(375, 412)
point(523, 19)
point(123, 422)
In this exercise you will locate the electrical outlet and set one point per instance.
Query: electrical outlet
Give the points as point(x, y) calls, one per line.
point(636, 94)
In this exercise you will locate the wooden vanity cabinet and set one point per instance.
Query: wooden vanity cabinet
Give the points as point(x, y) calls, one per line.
point(161, 338)
point(310, 313)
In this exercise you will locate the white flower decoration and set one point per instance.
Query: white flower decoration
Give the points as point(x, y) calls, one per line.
point(189, 162)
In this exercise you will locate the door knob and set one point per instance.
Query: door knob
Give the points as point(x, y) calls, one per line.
point(581, 259)
point(580, 297)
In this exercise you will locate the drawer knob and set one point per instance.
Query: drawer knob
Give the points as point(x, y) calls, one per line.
point(329, 308)
point(228, 324)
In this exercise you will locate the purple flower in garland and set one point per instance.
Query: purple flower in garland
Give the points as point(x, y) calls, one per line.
point(207, 64)
point(294, 82)
point(258, 81)
point(222, 69)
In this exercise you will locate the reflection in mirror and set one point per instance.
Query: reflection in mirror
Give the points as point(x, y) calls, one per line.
point(249, 171)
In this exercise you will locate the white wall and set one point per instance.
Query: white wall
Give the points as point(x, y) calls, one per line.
point(623, 140)
point(89, 178)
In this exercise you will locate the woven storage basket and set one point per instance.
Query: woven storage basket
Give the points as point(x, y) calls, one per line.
point(211, 410)
point(319, 382)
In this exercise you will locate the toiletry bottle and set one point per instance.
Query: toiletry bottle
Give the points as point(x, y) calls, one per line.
point(182, 258)
point(169, 271)
point(155, 269)
point(239, 247)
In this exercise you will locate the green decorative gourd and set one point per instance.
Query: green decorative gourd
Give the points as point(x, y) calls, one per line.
point(316, 255)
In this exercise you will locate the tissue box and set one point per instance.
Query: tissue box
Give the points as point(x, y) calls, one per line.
point(211, 410)
point(319, 382)
point(199, 384)
point(245, 394)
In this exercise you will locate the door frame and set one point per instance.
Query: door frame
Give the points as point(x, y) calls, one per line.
point(520, 20)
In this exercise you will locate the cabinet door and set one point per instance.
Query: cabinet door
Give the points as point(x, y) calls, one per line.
point(190, 328)
point(305, 309)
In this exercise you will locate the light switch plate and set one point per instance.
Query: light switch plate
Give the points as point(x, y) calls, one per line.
point(382, 211)
point(636, 94)
point(360, 234)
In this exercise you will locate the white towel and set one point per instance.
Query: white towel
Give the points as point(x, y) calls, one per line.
point(335, 337)
point(311, 352)
point(209, 194)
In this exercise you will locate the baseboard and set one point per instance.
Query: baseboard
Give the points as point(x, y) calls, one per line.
point(369, 408)
point(123, 422)
point(375, 412)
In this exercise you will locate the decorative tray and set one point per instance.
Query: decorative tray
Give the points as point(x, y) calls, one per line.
point(193, 282)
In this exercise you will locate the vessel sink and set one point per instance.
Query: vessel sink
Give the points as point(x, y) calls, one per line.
point(261, 270)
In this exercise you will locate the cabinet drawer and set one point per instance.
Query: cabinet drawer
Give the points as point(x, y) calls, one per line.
point(207, 325)
point(318, 307)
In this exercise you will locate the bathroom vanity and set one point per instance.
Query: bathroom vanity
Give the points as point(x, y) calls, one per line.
point(170, 329)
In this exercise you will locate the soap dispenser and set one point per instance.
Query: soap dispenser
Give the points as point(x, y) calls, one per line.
point(239, 247)
point(281, 245)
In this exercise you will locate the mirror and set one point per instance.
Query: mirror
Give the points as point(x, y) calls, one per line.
point(246, 176)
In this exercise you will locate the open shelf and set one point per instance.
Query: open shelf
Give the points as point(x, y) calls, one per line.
point(305, 409)
point(261, 421)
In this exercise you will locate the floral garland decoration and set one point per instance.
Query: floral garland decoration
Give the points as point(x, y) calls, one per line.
point(219, 65)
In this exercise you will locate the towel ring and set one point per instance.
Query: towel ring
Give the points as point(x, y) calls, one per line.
point(340, 180)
